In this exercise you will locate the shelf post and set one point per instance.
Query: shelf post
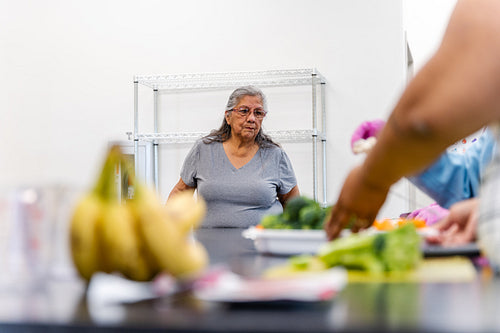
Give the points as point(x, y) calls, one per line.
point(323, 140)
point(136, 127)
point(155, 142)
point(314, 135)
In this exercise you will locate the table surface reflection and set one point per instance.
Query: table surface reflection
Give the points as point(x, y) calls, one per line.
point(59, 305)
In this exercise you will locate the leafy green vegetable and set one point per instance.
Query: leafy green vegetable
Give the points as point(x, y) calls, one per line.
point(300, 213)
point(275, 222)
point(307, 262)
point(311, 217)
point(396, 250)
point(294, 205)
point(301, 262)
point(402, 248)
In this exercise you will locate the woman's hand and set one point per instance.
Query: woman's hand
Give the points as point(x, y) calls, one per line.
point(459, 227)
point(357, 206)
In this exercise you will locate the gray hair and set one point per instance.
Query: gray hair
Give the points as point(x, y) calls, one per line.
point(224, 131)
point(241, 92)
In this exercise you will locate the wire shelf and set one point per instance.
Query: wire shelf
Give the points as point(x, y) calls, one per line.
point(226, 80)
point(191, 137)
point(192, 82)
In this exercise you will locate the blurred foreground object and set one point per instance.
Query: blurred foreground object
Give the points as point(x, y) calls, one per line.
point(397, 250)
point(138, 238)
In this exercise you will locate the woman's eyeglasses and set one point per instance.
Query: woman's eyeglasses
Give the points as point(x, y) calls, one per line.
point(244, 112)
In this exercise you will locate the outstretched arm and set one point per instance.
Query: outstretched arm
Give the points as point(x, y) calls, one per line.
point(454, 95)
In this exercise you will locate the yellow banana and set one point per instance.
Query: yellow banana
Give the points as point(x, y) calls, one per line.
point(194, 259)
point(121, 244)
point(138, 238)
point(84, 237)
point(166, 241)
point(186, 210)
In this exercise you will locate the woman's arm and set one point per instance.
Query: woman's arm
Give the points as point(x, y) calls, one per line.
point(179, 187)
point(283, 198)
point(454, 95)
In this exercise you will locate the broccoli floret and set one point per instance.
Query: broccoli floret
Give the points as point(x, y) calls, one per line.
point(300, 213)
point(294, 205)
point(311, 217)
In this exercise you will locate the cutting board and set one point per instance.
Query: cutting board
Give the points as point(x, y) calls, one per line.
point(449, 269)
point(440, 269)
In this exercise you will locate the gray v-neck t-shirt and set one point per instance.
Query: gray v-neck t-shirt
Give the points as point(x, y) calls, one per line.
point(238, 197)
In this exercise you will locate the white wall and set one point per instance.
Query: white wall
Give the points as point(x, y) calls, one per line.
point(67, 70)
point(425, 22)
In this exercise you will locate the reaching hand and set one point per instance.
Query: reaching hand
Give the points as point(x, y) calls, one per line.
point(364, 135)
point(430, 214)
point(357, 205)
point(459, 227)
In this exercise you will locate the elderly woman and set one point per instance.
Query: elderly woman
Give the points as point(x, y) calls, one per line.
point(239, 171)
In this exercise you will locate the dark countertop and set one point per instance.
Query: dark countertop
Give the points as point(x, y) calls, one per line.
point(61, 305)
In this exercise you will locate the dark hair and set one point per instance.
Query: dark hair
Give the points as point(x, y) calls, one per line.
point(224, 132)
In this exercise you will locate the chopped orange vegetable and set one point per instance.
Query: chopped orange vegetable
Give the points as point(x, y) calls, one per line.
point(390, 224)
point(384, 225)
point(259, 226)
point(419, 223)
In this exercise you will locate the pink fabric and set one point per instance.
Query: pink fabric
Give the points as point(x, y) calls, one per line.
point(367, 129)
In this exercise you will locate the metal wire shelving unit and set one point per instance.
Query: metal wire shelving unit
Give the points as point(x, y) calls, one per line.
point(193, 82)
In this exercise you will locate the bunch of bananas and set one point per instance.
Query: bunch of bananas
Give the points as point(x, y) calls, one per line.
point(139, 237)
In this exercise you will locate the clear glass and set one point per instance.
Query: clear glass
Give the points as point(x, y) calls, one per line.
point(34, 234)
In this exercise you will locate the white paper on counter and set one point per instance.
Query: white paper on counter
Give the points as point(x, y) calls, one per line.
point(225, 286)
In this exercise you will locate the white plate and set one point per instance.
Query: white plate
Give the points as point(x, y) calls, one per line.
point(287, 241)
point(297, 241)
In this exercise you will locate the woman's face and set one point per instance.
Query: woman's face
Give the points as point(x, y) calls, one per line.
point(245, 127)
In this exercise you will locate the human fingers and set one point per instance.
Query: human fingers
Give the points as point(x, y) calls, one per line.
point(444, 224)
point(456, 238)
point(337, 221)
point(434, 238)
point(441, 228)
point(359, 200)
point(467, 232)
point(449, 236)
point(358, 223)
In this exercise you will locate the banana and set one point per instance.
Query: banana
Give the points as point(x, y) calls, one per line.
point(166, 241)
point(86, 221)
point(84, 237)
point(121, 244)
point(194, 259)
point(137, 238)
point(186, 210)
